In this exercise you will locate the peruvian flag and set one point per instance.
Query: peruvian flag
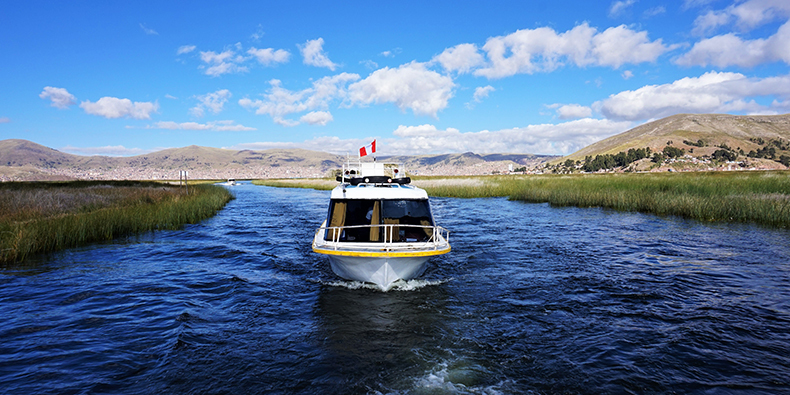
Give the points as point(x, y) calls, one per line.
point(368, 149)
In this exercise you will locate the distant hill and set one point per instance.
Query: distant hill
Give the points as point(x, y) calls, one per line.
point(25, 153)
point(714, 130)
point(25, 160)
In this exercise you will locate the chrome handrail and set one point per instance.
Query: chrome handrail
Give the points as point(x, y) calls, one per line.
point(439, 235)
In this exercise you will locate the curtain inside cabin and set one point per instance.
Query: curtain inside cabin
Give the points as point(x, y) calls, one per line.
point(338, 219)
point(375, 231)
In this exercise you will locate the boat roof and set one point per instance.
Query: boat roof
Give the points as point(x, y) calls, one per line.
point(378, 191)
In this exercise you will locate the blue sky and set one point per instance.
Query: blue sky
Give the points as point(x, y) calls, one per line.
point(421, 77)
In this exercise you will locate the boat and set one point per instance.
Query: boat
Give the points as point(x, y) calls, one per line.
point(231, 182)
point(379, 228)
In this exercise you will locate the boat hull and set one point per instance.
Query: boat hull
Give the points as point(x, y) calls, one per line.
point(382, 271)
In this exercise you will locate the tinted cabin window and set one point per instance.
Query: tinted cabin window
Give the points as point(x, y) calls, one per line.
point(408, 212)
point(350, 212)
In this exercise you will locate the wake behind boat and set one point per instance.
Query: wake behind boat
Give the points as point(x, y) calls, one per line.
point(379, 229)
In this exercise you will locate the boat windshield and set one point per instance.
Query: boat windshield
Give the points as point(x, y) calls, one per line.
point(360, 220)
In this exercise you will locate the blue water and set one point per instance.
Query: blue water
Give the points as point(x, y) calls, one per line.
point(532, 299)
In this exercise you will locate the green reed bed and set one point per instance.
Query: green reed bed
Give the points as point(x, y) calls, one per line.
point(466, 186)
point(323, 184)
point(43, 217)
point(759, 197)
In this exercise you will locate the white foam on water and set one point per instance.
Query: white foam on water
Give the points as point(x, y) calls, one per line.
point(400, 285)
point(351, 284)
point(439, 380)
point(412, 285)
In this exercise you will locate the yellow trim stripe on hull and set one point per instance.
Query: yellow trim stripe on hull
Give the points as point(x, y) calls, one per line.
point(383, 254)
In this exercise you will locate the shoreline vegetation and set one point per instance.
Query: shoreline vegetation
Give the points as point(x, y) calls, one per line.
point(38, 217)
point(761, 197)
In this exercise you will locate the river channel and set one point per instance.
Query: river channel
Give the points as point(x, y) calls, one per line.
point(532, 299)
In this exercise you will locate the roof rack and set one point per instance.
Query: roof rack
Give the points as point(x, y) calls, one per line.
point(374, 180)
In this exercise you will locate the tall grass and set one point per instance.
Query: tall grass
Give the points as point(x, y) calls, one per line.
point(323, 184)
point(43, 217)
point(758, 197)
point(466, 187)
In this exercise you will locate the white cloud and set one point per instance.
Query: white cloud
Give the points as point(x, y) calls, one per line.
point(688, 4)
point(214, 57)
point(482, 92)
point(709, 22)
point(314, 55)
point(217, 126)
point(224, 62)
point(571, 111)
point(184, 49)
point(108, 150)
point(619, 45)
point(461, 58)
point(369, 64)
point(619, 7)
point(563, 138)
point(410, 86)
point(269, 56)
point(148, 31)
point(279, 102)
point(730, 50)
point(331, 144)
point(627, 75)
point(258, 34)
point(60, 97)
point(746, 15)
point(113, 107)
point(5, 119)
point(554, 139)
point(712, 92)
point(317, 118)
point(391, 53)
point(233, 59)
point(171, 97)
point(542, 50)
point(651, 12)
point(213, 102)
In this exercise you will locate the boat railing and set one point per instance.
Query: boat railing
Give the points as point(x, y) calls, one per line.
point(439, 237)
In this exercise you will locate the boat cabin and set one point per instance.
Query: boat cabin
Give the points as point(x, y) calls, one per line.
point(375, 204)
point(379, 220)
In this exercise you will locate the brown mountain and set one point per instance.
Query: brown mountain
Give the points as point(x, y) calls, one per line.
point(713, 130)
point(25, 153)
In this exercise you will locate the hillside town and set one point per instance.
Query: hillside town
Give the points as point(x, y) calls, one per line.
point(252, 172)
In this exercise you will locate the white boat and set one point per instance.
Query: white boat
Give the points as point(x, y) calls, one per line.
point(379, 229)
point(231, 182)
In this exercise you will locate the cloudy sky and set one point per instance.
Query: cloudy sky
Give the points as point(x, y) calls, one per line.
point(421, 77)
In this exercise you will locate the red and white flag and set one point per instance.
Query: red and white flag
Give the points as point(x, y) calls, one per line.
point(368, 149)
